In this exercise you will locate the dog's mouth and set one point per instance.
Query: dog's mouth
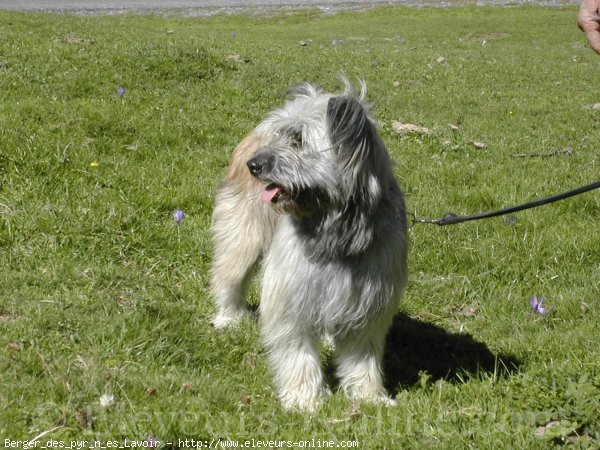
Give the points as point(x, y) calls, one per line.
point(301, 203)
point(274, 193)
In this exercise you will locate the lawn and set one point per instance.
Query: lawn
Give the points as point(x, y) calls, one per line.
point(105, 309)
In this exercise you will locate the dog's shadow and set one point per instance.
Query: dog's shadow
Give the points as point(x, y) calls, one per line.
point(414, 347)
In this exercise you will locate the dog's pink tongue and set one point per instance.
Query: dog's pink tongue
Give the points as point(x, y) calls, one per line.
point(270, 193)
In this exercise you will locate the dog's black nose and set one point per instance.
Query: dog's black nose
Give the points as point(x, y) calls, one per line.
point(254, 166)
point(257, 164)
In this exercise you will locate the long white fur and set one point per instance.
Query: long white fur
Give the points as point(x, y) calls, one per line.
point(334, 258)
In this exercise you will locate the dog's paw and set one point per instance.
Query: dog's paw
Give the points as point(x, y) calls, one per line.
point(377, 396)
point(383, 400)
point(301, 404)
point(223, 320)
point(387, 401)
point(308, 402)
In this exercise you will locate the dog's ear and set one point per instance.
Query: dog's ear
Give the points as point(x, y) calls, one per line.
point(359, 149)
point(350, 128)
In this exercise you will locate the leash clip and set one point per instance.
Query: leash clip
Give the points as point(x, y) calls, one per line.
point(414, 220)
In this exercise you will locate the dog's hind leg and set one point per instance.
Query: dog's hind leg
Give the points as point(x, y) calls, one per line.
point(242, 229)
point(237, 248)
point(358, 357)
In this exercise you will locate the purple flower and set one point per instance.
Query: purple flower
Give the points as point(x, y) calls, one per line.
point(536, 305)
point(121, 91)
point(178, 216)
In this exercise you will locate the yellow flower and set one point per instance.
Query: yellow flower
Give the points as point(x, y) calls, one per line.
point(94, 164)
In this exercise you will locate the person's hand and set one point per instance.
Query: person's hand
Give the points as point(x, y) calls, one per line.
point(589, 22)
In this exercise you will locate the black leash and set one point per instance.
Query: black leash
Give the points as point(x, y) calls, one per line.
point(451, 218)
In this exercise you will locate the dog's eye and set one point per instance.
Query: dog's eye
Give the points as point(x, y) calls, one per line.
point(296, 139)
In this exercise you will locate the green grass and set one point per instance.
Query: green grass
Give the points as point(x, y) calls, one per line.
point(101, 293)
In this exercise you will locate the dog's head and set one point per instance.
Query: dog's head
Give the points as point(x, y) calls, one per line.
point(323, 152)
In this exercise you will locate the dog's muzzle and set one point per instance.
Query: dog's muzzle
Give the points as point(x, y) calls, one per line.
point(260, 166)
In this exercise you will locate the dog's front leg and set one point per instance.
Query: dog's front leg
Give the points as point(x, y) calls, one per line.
point(296, 365)
point(358, 358)
point(292, 346)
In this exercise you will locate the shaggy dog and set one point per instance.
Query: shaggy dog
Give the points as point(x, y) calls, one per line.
point(311, 192)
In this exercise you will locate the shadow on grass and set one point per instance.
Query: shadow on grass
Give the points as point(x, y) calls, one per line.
point(414, 346)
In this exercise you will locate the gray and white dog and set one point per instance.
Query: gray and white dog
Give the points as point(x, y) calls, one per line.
point(311, 191)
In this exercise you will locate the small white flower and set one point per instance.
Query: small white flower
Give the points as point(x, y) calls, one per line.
point(107, 400)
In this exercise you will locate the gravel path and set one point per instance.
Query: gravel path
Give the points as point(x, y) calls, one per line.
point(208, 7)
